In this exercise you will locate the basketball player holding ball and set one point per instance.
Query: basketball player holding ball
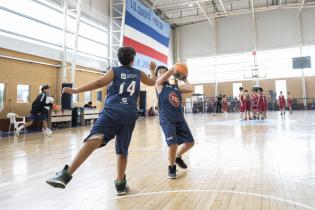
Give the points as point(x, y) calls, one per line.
point(171, 115)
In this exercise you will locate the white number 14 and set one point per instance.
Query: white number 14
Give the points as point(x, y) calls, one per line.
point(131, 88)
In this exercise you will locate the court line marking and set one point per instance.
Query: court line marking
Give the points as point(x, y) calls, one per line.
point(214, 191)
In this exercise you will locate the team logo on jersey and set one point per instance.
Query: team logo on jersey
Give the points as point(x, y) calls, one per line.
point(123, 76)
point(174, 99)
point(124, 101)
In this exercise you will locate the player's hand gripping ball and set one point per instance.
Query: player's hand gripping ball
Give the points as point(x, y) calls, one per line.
point(182, 71)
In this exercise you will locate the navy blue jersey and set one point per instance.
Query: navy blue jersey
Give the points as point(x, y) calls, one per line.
point(122, 95)
point(170, 104)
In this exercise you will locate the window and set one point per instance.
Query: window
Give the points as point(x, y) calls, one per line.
point(99, 96)
point(281, 85)
point(236, 88)
point(42, 22)
point(75, 98)
point(1, 96)
point(87, 96)
point(23, 93)
point(198, 89)
point(236, 67)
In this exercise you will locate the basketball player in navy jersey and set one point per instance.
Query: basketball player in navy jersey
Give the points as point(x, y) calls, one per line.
point(172, 120)
point(116, 120)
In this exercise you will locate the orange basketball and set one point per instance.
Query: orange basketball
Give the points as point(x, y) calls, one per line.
point(182, 71)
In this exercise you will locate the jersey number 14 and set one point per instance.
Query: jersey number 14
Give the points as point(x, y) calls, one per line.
point(130, 89)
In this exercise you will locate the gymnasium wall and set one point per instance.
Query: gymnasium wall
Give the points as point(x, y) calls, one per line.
point(97, 10)
point(275, 29)
point(294, 86)
point(14, 72)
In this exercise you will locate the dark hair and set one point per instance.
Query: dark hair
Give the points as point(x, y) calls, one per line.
point(241, 88)
point(261, 90)
point(44, 87)
point(255, 89)
point(245, 90)
point(126, 55)
point(159, 68)
point(90, 102)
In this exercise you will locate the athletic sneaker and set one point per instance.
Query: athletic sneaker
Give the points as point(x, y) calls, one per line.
point(172, 172)
point(61, 179)
point(48, 132)
point(122, 187)
point(180, 162)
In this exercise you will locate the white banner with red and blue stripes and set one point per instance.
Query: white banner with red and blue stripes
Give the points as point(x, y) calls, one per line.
point(147, 34)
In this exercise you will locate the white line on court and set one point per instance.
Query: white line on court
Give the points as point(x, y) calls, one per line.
point(214, 191)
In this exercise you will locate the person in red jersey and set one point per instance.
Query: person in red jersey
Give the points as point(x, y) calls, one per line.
point(260, 104)
point(289, 102)
point(281, 101)
point(248, 105)
point(242, 102)
point(254, 102)
point(265, 103)
point(225, 104)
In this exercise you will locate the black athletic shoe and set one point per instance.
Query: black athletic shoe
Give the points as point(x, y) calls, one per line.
point(61, 179)
point(122, 187)
point(172, 172)
point(180, 162)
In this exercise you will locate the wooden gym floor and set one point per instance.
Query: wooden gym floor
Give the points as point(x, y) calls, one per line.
point(234, 165)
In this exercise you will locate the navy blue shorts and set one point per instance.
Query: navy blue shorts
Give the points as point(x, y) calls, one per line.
point(177, 133)
point(107, 129)
point(37, 117)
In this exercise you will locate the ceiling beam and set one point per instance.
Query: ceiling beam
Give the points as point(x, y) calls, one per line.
point(199, 18)
point(164, 6)
point(179, 4)
point(205, 14)
point(222, 5)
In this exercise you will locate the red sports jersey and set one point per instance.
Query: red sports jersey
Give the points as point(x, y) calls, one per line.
point(242, 102)
point(281, 102)
point(255, 101)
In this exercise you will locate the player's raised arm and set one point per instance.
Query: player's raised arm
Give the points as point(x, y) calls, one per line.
point(163, 78)
point(105, 80)
point(145, 79)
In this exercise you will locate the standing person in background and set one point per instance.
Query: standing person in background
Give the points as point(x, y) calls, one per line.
point(269, 102)
point(281, 101)
point(247, 105)
point(242, 102)
point(260, 104)
point(265, 104)
point(289, 102)
point(49, 102)
point(225, 104)
point(219, 104)
point(254, 102)
point(38, 111)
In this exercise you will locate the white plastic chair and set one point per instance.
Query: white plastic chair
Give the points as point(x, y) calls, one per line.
point(16, 124)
